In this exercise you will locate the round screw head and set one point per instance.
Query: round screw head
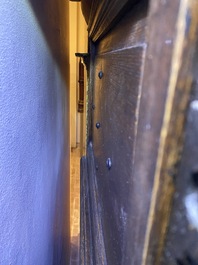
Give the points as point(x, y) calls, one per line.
point(109, 163)
point(97, 125)
point(100, 74)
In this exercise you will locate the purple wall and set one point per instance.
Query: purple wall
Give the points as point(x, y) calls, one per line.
point(34, 138)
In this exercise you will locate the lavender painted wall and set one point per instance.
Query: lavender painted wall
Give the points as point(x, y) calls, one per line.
point(34, 138)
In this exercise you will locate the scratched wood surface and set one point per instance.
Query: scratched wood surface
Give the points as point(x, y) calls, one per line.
point(173, 77)
point(116, 98)
point(181, 246)
point(139, 105)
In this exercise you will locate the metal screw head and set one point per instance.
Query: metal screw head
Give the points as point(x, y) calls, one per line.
point(109, 163)
point(100, 74)
point(97, 125)
point(93, 107)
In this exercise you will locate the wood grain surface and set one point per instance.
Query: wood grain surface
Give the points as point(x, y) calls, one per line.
point(177, 84)
point(182, 236)
point(137, 111)
point(116, 99)
point(102, 15)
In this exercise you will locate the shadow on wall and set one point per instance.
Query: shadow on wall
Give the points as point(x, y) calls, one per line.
point(61, 237)
point(53, 17)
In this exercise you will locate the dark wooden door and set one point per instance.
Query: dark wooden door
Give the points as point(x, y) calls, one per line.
point(140, 76)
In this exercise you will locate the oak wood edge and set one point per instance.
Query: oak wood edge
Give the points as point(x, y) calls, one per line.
point(171, 138)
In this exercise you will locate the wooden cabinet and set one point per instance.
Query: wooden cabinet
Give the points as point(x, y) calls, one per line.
point(141, 73)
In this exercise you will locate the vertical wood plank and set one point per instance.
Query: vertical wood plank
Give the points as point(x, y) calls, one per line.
point(170, 142)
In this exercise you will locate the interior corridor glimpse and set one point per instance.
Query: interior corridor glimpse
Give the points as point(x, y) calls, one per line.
point(75, 205)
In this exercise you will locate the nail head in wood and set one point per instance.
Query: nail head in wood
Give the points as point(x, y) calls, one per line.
point(109, 163)
point(97, 125)
point(100, 74)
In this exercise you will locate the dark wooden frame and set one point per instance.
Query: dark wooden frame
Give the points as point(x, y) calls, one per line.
point(171, 31)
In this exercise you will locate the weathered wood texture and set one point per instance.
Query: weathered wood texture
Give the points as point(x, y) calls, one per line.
point(85, 224)
point(101, 15)
point(140, 105)
point(174, 85)
point(116, 99)
point(182, 237)
point(92, 241)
